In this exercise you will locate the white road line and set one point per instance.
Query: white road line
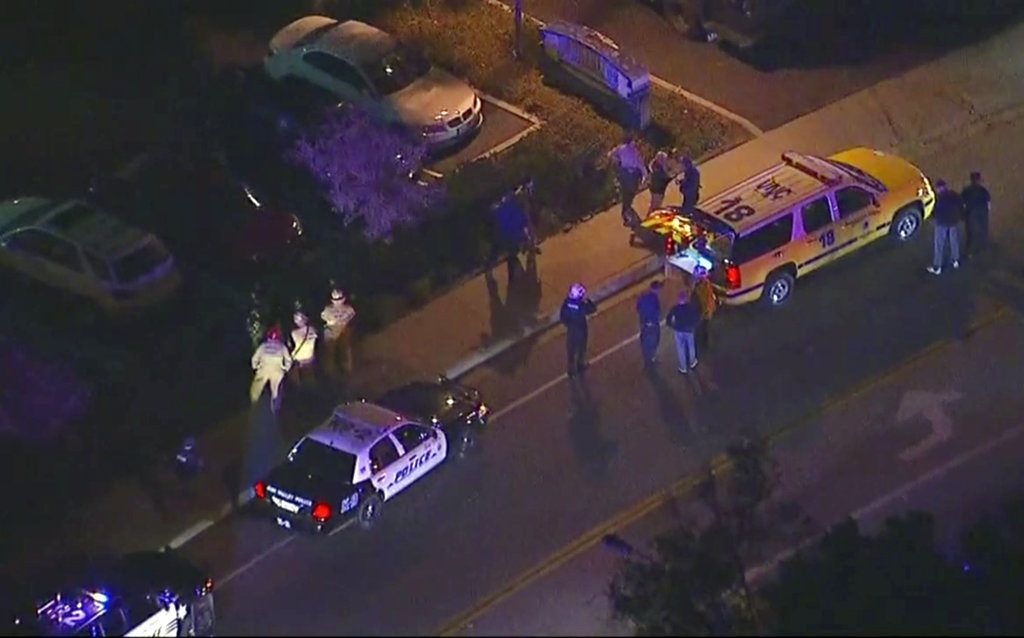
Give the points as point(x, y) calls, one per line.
point(347, 524)
point(756, 572)
point(252, 562)
point(190, 533)
point(550, 384)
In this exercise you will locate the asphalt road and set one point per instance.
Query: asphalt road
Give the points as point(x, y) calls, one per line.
point(572, 456)
point(819, 57)
point(557, 463)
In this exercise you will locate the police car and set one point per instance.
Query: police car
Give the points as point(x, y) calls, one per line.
point(141, 594)
point(455, 408)
point(758, 237)
point(362, 456)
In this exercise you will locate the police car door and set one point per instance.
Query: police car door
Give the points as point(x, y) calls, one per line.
point(424, 447)
point(385, 463)
point(857, 212)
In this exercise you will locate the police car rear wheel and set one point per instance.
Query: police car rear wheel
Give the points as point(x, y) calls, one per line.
point(369, 511)
point(777, 288)
point(906, 224)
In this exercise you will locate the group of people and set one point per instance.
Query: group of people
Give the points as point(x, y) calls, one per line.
point(970, 206)
point(274, 358)
point(632, 173)
point(689, 319)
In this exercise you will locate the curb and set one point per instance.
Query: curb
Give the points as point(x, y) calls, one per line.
point(608, 288)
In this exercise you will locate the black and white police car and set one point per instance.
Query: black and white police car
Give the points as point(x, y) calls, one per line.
point(140, 594)
point(365, 453)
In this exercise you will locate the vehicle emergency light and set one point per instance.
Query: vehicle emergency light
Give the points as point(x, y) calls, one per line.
point(321, 512)
point(670, 246)
point(260, 489)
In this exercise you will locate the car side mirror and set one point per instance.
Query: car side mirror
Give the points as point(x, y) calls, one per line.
point(875, 202)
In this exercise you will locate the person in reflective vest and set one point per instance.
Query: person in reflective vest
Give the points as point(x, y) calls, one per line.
point(270, 363)
point(303, 347)
point(337, 317)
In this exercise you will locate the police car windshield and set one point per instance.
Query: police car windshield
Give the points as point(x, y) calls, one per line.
point(323, 461)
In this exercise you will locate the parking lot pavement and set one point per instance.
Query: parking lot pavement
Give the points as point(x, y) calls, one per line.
point(501, 126)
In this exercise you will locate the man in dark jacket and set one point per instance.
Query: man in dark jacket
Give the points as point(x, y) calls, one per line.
point(648, 309)
point(977, 203)
point(683, 319)
point(689, 183)
point(947, 214)
point(573, 315)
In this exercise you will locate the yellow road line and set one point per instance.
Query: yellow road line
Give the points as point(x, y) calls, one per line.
point(718, 464)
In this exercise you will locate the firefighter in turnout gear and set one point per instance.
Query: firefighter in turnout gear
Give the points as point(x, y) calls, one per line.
point(337, 317)
point(270, 363)
point(574, 313)
point(303, 347)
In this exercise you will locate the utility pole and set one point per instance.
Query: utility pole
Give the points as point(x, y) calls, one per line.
point(517, 16)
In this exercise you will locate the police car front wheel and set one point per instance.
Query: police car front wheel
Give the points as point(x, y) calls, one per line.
point(369, 511)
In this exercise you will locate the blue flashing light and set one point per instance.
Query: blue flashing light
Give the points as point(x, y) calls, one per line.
point(99, 597)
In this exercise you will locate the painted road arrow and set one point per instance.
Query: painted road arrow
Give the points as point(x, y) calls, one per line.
point(930, 406)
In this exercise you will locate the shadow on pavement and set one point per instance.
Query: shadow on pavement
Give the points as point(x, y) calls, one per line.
point(594, 451)
point(516, 312)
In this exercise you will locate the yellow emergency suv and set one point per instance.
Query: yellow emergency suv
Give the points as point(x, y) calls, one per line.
point(757, 237)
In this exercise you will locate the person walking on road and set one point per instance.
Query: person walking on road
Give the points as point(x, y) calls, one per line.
point(704, 294)
point(660, 174)
point(947, 214)
point(977, 205)
point(689, 183)
point(630, 173)
point(270, 363)
point(337, 317)
point(683, 319)
point(648, 310)
point(573, 315)
point(303, 347)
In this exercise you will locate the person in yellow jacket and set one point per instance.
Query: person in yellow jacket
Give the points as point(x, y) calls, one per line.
point(705, 295)
point(270, 363)
point(303, 348)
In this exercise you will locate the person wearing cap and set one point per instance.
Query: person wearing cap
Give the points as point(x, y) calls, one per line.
point(303, 346)
point(573, 316)
point(947, 214)
point(683, 319)
point(337, 317)
point(704, 295)
point(648, 310)
point(977, 204)
point(270, 363)
point(630, 173)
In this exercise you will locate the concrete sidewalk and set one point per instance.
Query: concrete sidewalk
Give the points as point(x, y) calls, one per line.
point(477, 319)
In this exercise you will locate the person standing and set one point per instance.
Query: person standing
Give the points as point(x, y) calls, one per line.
point(660, 176)
point(303, 347)
point(337, 316)
point(270, 362)
point(630, 173)
point(947, 214)
point(648, 310)
point(704, 294)
point(689, 183)
point(683, 319)
point(977, 205)
point(573, 315)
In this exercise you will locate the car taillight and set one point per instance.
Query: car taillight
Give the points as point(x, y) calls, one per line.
point(321, 512)
point(670, 246)
point(260, 489)
point(732, 277)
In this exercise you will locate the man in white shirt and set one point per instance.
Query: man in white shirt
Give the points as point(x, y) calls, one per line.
point(270, 362)
point(337, 316)
point(630, 172)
